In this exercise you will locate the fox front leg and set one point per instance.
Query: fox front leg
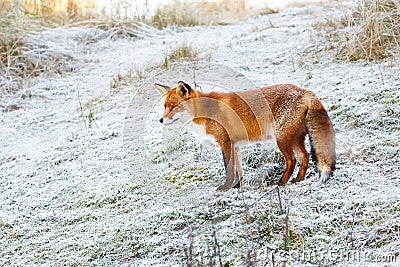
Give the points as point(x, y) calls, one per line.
point(228, 154)
point(239, 171)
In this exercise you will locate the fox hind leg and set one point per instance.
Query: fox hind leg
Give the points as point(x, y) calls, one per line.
point(303, 156)
point(286, 148)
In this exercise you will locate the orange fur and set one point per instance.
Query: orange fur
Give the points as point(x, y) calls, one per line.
point(284, 112)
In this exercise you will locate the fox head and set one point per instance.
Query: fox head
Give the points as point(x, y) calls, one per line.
point(175, 98)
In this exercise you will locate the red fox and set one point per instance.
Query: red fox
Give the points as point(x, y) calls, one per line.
point(284, 112)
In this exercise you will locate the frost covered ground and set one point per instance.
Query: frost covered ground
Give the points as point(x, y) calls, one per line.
point(71, 195)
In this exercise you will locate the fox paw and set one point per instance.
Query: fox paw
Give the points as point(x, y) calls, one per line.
point(296, 181)
point(281, 183)
point(237, 184)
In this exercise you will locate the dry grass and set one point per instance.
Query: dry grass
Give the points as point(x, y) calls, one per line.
point(376, 27)
point(59, 12)
point(21, 56)
point(15, 63)
point(185, 13)
point(182, 52)
point(370, 32)
point(24, 53)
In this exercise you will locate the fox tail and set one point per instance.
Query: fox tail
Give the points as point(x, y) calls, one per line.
point(322, 139)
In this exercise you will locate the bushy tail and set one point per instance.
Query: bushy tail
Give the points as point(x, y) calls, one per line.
point(322, 139)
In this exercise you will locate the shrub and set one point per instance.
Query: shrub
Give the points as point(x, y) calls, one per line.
point(371, 31)
point(375, 30)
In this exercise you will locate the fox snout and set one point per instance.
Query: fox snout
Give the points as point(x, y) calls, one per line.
point(170, 118)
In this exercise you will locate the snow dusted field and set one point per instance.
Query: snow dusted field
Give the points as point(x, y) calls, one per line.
point(79, 189)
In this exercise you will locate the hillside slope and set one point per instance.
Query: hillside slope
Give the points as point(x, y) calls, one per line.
point(72, 195)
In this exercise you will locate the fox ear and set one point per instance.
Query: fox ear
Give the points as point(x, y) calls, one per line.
point(184, 88)
point(161, 88)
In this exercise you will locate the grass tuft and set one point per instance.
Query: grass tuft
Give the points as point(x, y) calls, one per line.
point(370, 32)
point(182, 52)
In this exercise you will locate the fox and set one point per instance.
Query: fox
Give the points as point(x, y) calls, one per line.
point(284, 112)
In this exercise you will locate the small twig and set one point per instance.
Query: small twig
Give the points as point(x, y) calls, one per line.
point(246, 208)
point(92, 119)
point(279, 198)
point(189, 251)
point(380, 71)
point(286, 232)
point(292, 61)
point(270, 22)
point(194, 75)
point(216, 247)
point(285, 247)
point(211, 261)
point(262, 196)
point(352, 224)
point(81, 108)
point(251, 255)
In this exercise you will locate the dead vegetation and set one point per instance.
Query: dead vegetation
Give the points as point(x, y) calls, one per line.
point(23, 56)
point(22, 52)
point(34, 42)
point(187, 13)
point(371, 31)
point(182, 52)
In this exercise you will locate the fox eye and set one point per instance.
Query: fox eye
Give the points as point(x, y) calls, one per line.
point(172, 107)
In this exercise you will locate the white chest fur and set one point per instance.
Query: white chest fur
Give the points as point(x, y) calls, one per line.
point(199, 131)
